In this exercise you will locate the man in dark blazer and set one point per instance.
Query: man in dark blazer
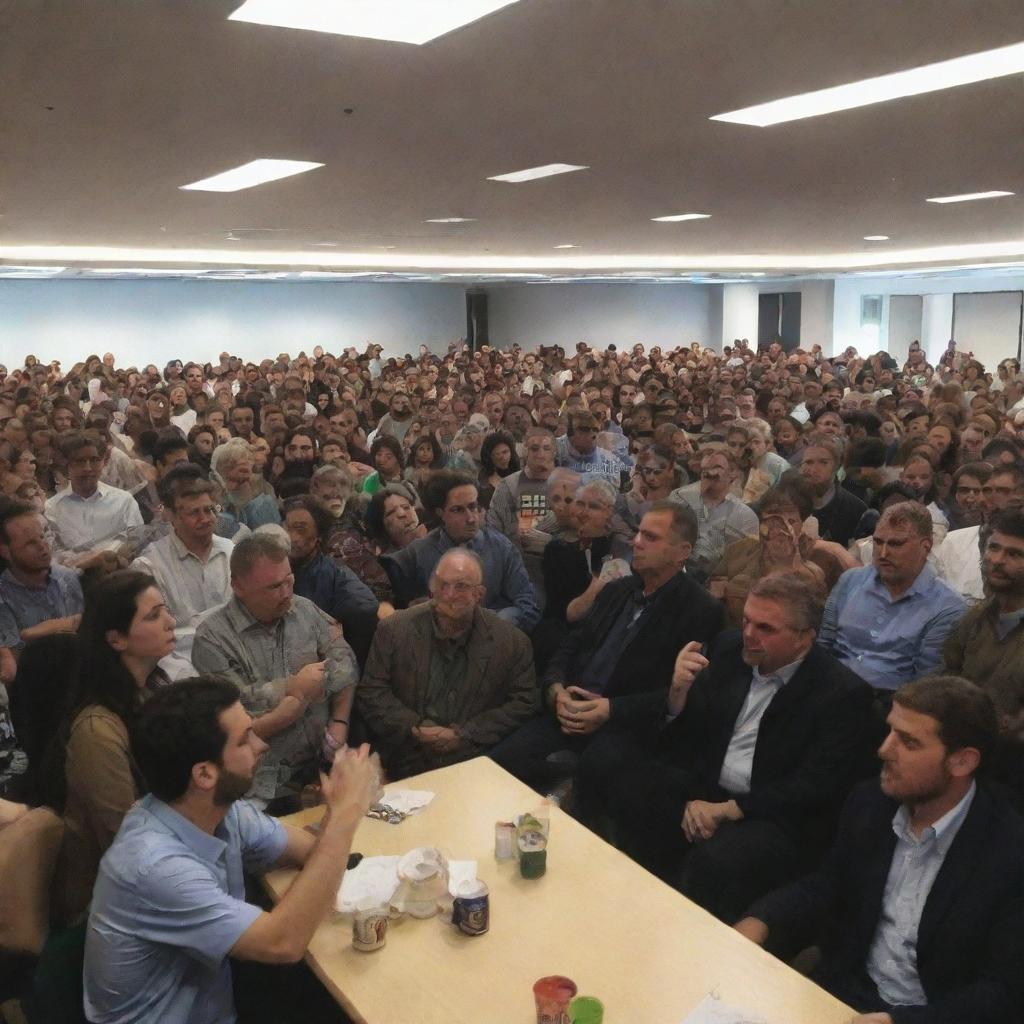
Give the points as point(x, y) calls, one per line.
point(609, 678)
point(919, 906)
point(766, 736)
point(448, 679)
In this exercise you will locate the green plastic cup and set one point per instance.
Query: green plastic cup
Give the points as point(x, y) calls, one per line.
point(586, 1010)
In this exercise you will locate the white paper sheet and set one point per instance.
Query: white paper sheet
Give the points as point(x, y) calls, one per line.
point(408, 801)
point(711, 1010)
point(376, 879)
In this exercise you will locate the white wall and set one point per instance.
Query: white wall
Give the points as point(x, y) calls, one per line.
point(668, 315)
point(155, 321)
point(904, 323)
point(739, 313)
point(988, 324)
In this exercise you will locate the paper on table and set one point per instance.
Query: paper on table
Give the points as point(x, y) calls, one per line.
point(711, 1010)
point(407, 800)
point(375, 879)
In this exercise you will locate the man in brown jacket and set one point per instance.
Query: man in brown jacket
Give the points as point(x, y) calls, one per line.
point(446, 679)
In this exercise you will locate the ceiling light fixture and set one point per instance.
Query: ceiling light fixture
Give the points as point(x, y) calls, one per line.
point(399, 21)
point(532, 173)
point(567, 245)
point(876, 238)
point(449, 220)
point(35, 271)
point(975, 67)
point(675, 218)
point(256, 172)
point(968, 197)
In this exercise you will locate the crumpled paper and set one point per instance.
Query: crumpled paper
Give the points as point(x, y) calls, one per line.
point(408, 801)
point(711, 1010)
point(374, 880)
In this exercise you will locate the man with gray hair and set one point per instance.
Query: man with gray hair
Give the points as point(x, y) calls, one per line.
point(889, 621)
point(446, 679)
point(763, 739)
point(295, 673)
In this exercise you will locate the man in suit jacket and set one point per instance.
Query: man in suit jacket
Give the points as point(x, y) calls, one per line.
point(448, 679)
point(919, 907)
point(609, 677)
point(764, 742)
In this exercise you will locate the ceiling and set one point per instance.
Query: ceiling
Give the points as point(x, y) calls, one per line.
point(106, 108)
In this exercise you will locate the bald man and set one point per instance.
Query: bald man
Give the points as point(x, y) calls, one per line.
point(446, 679)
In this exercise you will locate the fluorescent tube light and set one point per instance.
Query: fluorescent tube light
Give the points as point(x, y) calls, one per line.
point(675, 218)
point(531, 173)
point(10, 270)
point(975, 67)
point(567, 245)
point(256, 172)
point(968, 197)
point(449, 220)
point(399, 21)
point(876, 238)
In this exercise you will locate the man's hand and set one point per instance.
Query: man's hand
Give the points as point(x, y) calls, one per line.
point(308, 683)
point(701, 818)
point(753, 929)
point(689, 664)
point(583, 712)
point(353, 785)
point(439, 739)
point(8, 666)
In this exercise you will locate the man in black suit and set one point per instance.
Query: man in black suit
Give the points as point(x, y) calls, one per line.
point(919, 906)
point(609, 677)
point(763, 742)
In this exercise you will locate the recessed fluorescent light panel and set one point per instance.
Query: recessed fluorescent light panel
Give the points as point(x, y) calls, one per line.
point(876, 238)
point(449, 220)
point(256, 172)
point(675, 218)
point(399, 21)
point(532, 173)
point(567, 245)
point(975, 67)
point(10, 270)
point(968, 197)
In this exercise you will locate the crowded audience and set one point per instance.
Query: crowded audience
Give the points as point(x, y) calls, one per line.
point(752, 616)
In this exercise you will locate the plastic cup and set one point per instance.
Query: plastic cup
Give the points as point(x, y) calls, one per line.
point(553, 995)
point(370, 928)
point(586, 1010)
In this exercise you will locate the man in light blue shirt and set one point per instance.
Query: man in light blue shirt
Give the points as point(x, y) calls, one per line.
point(888, 621)
point(168, 908)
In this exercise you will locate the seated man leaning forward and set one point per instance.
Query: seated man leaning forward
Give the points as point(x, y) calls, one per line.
point(295, 674)
point(169, 904)
point(448, 679)
point(919, 906)
point(609, 677)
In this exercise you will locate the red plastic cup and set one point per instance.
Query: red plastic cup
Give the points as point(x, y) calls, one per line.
point(553, 995)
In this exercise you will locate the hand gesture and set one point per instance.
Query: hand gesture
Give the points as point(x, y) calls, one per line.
point(353, 785)
point(308, 683)
point(689, 664)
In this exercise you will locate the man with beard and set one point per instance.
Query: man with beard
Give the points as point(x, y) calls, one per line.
point(399, 417)
point(836, 509)
point(918, 908)
point(169, 905)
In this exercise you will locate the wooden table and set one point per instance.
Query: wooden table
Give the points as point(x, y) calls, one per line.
point(622, 935)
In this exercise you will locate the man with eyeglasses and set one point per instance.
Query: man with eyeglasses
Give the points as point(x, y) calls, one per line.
point(453, 497)
point(959, 557)
point(447, 680)
point(191, 564)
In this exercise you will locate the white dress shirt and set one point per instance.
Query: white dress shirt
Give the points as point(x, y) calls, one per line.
point(85, 523)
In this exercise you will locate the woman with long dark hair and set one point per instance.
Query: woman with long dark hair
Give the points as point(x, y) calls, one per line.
point(125, 631)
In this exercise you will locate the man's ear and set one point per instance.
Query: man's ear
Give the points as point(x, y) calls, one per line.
point(204, 775)
point(964, 762)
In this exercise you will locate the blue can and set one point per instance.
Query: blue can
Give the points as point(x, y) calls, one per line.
point(471, 913)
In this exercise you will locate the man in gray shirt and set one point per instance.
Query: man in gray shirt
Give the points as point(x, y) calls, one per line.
point(295, 673)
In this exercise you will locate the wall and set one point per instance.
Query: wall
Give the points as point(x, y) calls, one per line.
point(739, 313)
point(156, 321)
point(668, 315)
point(904, 324)
point(740, 307)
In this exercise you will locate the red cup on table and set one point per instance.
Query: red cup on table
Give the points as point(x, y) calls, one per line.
point(553, 995)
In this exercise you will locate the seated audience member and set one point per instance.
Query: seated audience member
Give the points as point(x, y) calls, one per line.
point(918, 906)
point(520, 499)
point(760, 744)
point(247, 498)
point(498, 459)
point(293, 670)
point(391, 519)
point(389, 463)
point(721, 517)
point(87, 512)
point(453, 498)
point(577, 450)
point(608, 676)
point(919, 473)
point(126, 632)
point(333, 588)
point(782, 546)
point(959, 558)
point(169, 907)
point(655, 477)
point(191, 565)
point(37, 596)
point(966, 493)
point(448, 679)
point(889, 620)
point(836, 509)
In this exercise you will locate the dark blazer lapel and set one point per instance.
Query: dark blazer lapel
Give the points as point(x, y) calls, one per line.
point(795, 690)
point(481, 647)
point(422, 645)
point(961, 858)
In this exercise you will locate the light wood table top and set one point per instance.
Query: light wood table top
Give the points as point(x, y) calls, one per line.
point(621, 934)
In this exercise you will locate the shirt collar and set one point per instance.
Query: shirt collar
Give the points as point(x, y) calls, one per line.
point(943, 831)
point(783, 675)
point(923, 583)
point(100, 492)
point(205, 846)
point(8, 577)
point(241, 619)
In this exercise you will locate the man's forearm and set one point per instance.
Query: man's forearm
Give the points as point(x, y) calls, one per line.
point(67, 624)
point(287, 712)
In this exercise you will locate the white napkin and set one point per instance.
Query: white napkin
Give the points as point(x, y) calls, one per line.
point(460, 872)
point(711, 1010)
point(375, 879)
point(407, 800)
